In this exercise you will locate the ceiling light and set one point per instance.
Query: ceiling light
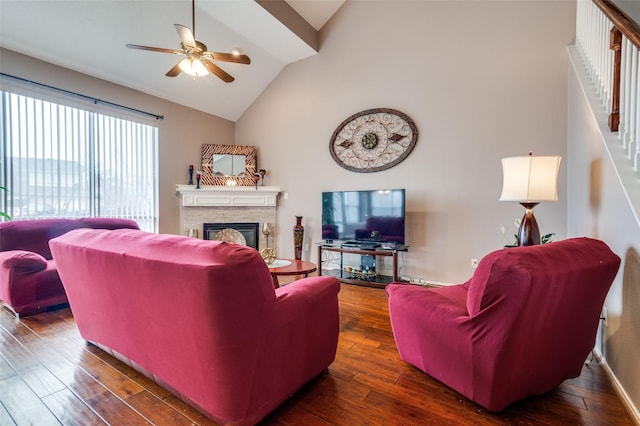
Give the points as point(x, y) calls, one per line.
point(235, 51)
point(194, 67)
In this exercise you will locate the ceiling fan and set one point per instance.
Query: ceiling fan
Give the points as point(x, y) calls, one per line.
point(198, 61)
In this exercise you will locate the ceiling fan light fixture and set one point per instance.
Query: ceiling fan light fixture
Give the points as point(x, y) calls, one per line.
point(193, 67)
point(198, 62)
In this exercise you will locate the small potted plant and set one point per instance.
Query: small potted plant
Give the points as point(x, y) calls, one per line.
point(3, 214)
point(546, 238)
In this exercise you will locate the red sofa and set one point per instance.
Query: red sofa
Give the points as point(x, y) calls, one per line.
point(29, 281)
point(200, 317)
point(525, 321)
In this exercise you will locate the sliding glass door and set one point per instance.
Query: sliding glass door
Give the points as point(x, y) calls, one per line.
point(61, 161)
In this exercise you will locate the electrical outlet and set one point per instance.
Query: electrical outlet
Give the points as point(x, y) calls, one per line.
point(306, 247)
point(474, 263)
point(605, 313)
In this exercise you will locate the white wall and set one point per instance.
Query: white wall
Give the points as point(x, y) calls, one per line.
point(481, 79)
point(598, 207)
point(181, 133)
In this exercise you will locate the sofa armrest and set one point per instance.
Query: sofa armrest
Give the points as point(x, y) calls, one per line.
point(440, 313)
point(308, 287)
point(432, 327)
point(306, 330)
point(444, 305)
point(22, 261)
point(308, 299)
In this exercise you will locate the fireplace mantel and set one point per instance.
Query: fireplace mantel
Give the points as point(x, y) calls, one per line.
point(228, 196)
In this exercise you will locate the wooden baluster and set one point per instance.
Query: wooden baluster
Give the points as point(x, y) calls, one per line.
point(635, 156)
point(632, 126)
point(625, 53)
point(615, 45)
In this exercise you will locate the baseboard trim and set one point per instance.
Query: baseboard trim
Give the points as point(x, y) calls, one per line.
point(626, 401)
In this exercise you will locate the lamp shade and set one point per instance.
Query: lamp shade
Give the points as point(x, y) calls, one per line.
point(530, 179)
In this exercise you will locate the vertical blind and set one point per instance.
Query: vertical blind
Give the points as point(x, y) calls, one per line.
point(62, 161)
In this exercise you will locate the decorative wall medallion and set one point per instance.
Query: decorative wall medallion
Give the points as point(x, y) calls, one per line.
point(373, 140)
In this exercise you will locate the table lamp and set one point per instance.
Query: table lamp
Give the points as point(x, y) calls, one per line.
point(529, 180)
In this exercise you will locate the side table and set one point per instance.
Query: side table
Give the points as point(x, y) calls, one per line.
point(290, 267)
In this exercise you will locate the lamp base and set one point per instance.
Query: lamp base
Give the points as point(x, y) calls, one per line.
point(528, 233)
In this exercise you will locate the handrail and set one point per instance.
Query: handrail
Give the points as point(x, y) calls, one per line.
point(623, 26)
point(626, 25)
point(606, 58)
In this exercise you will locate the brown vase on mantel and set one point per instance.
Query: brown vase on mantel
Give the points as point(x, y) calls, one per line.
point(298, 237)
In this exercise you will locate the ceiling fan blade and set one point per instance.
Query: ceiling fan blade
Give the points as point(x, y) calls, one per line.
point(173, 72)
point(228, 57)
point(186, 36)
point(214, 69)
point(155, 49)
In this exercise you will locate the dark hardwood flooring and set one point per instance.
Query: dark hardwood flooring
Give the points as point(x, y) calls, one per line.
point(48, 375)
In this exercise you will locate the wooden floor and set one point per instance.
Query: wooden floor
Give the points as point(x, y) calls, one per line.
point(48, 375)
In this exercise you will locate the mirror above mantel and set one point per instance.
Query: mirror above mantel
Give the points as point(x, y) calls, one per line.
point(224, 165)
point(227, 165)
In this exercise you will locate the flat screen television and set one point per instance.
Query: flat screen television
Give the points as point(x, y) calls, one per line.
point(364, 216)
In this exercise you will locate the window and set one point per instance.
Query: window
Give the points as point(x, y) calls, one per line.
point(62, 161)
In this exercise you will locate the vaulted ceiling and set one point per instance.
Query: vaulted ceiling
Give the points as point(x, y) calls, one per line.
point(90, 37)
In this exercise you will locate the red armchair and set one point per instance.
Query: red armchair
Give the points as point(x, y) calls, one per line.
point(200, 317)
point(29, 281)
point(525, 321)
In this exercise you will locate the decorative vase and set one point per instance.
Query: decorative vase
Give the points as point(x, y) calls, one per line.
point(298, 237)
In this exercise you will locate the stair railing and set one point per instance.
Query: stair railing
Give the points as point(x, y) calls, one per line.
point(608, 41)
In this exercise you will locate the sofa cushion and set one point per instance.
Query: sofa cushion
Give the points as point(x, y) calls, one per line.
point(24, 261)
point(35, 291)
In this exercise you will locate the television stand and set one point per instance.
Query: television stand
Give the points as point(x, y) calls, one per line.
point(367, 274)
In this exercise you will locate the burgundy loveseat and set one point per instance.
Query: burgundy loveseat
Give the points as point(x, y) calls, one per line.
point(200, 317)
point(29, 281)
point(525, 321)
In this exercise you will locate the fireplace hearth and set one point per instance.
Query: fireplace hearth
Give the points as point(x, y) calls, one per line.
point(241, 233)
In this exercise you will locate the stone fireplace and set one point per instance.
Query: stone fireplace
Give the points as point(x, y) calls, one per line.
point(238, 205)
